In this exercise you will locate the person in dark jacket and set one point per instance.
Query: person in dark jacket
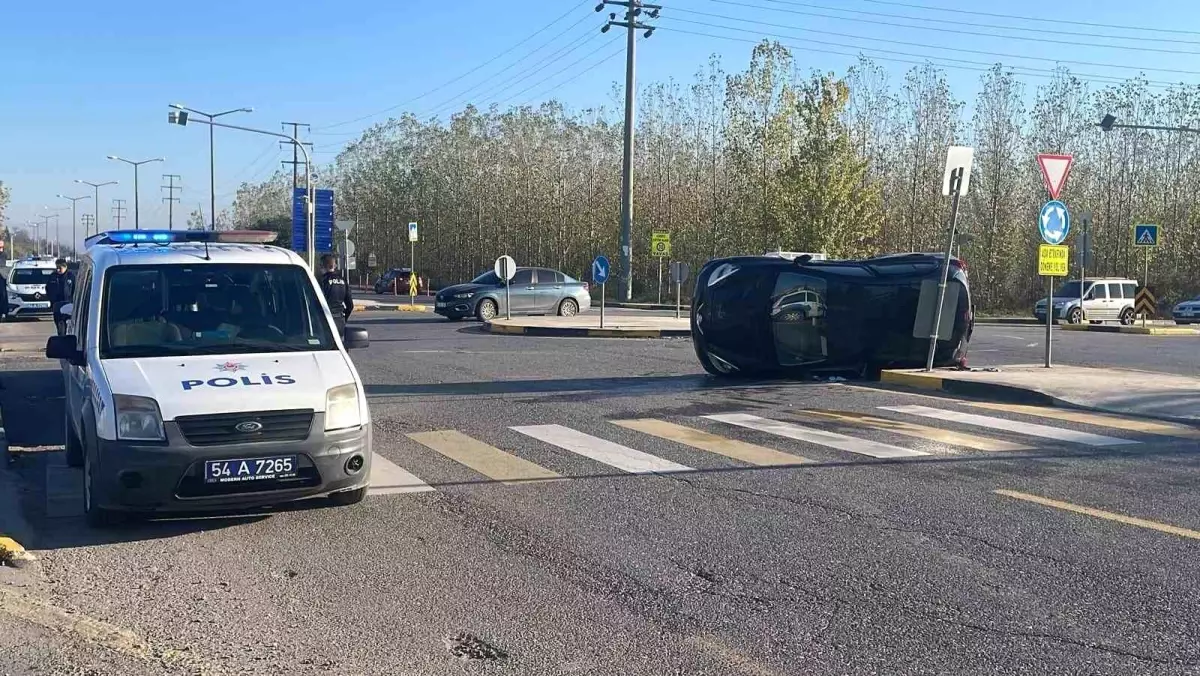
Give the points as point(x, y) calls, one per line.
point(3, 298)
point(336, 290)
point(60, 289)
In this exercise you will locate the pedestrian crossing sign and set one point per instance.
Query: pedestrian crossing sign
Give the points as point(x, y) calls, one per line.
point(1145, 235)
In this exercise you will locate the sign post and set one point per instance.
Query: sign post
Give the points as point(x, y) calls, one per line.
point(1085, 218)
point(1145, 235)
point(506, 269)
point(660, 248)
point(956, 179)
point(1054, 223)
point(600, 270)
point(412, 257)
point(679, 275)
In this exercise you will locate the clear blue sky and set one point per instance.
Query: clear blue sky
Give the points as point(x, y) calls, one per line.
point(83, 81)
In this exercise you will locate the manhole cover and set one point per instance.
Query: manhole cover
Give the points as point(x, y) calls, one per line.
point(467, 646)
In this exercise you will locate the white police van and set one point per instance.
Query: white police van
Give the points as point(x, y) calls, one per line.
point(203, 372)
point(27, 287)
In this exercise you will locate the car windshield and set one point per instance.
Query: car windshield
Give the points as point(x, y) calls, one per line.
point(1068, 290)
point(30, 275)
point(489, 277)
point(211, 309)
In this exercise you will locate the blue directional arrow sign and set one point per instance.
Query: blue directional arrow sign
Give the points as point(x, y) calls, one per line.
point(1145, 234)
point(1054, 222)
point(600, 269)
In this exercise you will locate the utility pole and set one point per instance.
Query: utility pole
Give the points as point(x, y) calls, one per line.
point(296, 161)
point(633, 9)
point(118, 211)
point(89, 222)
point(171, 199)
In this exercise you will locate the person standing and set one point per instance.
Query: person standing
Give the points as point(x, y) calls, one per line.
point(337, 292)
point(60, 289)
point(3, 298)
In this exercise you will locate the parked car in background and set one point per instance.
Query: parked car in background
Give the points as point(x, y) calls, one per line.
point(1187, 312)
point(1104, 299)
point(26, 292)
point(763, 315)
point(395, 280)
point(533, 291)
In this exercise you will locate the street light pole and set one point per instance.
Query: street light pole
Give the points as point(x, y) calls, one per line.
point(212, 166)
point(96, 206)
point(74, 232)
point(181, 119)
point(1109, 122)
point(136, 221)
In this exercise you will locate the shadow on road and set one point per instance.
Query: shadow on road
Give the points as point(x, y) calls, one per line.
point(611, 386)
point(31, 403)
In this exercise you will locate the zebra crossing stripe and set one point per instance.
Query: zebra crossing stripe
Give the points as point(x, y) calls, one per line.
point(388, 478)
point(601, 450)
point(1097, 419)
point(841, 442)
point(1017, 426)
point(919, 431)
point(487, 460)
point(730, 448)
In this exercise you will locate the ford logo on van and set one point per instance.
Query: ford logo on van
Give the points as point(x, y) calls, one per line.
point(249, 426)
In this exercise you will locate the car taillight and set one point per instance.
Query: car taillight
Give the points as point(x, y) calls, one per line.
point(586, 287)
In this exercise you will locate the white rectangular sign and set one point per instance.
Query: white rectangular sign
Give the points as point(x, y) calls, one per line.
point(956, 157)
point(412, 232)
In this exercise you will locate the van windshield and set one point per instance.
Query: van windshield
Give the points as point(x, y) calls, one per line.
point(171, 310)
point(31, 275)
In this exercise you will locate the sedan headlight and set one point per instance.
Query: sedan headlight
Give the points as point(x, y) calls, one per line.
point(341, 407)
point(138, 418)
point(464, 296)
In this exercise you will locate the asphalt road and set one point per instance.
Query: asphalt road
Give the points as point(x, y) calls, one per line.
point(997, 345)
point(717, 562)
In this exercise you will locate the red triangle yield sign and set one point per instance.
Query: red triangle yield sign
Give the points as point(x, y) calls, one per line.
point(1055, 169)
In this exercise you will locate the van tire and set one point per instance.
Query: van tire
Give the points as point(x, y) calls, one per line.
point(71, 443)
point(1075, 316)
point(1127, 317)
point(346, 498)
point(96, 517)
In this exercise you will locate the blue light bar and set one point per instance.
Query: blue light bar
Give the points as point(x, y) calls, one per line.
point(173, 236)
point(138, 236)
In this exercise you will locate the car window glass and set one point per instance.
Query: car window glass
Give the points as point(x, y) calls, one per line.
point(30, 275)
point(488, 277)
point(1130, 290)
point(82, 308)
point(1114, 290)
point(559, 278)
point(798, 309)
point(1099, 291)
point(523, 277)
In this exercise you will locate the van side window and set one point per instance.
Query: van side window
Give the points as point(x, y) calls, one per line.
point(1130, 290)
point(82, 309)
point(1099, 291)
point(1114, 290)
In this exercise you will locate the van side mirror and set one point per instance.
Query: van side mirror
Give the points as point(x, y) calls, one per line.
point(356, 337)
point(63, 347)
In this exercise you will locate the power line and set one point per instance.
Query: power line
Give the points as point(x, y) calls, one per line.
point(902, 42)
point(460, 77)
point(978, 25)
point(961, 32)
point(1036, 72)
point(1030, 18)
point(558, 86)
point(560, 72)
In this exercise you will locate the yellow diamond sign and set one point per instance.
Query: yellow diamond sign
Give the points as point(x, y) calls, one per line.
point(1054, 261)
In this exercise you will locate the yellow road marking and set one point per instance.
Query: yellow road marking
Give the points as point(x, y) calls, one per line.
point(1098, 419)
point(487, 460)
point(920, 431)
point(1101, 514)
point(730, 448)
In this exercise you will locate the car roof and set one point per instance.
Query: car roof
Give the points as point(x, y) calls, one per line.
point(35, 263)
point(196, 253)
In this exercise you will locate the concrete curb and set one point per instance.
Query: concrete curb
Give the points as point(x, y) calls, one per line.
point(1008, 321)
point(642, 306)
point(579, 332)
point(400, 307)
point(932, 381)
point(1135, 330)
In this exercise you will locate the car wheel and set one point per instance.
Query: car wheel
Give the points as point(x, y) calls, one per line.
point(568, 308)
point(1127, 317)
point(486, 310)
point(348, 497)
point(71, 443)
point(1075, 316)
point(96, 517)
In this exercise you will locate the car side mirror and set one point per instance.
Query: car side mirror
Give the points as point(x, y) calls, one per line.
point(67, 310)
point(63, 347)
point(356, 337)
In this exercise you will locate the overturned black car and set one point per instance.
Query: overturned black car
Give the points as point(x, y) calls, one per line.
point(761, 315)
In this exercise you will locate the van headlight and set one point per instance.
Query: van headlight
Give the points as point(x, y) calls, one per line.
point(138, 418)
point(341, 407)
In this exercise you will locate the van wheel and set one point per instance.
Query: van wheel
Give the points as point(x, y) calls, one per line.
point(486, 310)
point(71, 443)
point(96, 517)
point(348, 497)
point(1075, 316)
point(1127, 317)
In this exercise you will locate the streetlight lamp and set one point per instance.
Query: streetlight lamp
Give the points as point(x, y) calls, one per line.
point(96, 210)
point(181, 119)
point(136, 222)
point(74, 233)
point(212, 166)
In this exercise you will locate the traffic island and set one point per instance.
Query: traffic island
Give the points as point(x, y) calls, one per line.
point(1120, 391)
point(375, 306)
point(1136, 329)
point(588, 326)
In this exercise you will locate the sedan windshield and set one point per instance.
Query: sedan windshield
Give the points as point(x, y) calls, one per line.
point(489, 277)
point(1068, 290)
point(31, 275)
point(211, 309)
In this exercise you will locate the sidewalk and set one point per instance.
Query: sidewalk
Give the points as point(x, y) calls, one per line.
point(588, 326)
point(367, 305)
point(25, 335)
point(1120, 391)
point(1153, 328)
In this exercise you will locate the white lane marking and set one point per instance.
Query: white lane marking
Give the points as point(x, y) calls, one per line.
point(1030, 429)
point(1032, 345)
point(841, 442)
point(388, 478)
point(601, 450)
